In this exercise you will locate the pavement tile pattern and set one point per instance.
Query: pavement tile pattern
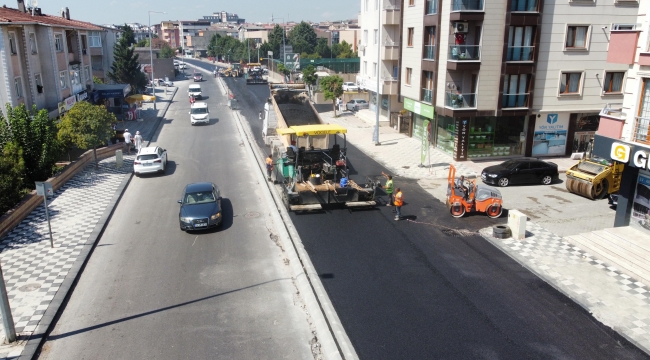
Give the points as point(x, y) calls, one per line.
point(612, 297)
point(33, 271)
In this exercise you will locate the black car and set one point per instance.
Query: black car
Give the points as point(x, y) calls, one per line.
point(200, 207)
point(520, 171)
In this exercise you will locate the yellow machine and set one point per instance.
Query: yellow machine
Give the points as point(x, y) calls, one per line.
point(594, 178)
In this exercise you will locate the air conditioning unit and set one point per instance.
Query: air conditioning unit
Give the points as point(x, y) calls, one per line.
point(460, 27)
point(362, 47)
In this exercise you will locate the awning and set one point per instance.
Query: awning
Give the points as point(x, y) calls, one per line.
point(139, 97)
point(311, 130)
point(109, 91)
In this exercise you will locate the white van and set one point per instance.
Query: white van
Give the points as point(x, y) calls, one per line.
point(195, 90)
point(199, 113)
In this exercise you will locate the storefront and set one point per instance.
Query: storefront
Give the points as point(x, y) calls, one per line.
point(485, 136)
point(420, 113)
point(559, 134)
point(585, 127)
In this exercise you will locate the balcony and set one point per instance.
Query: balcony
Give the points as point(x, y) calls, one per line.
point(641, 132)
point(465, 53)
point(390, 51)
point(460, 101)
point(391, 15)
point(514, 100)
point(520, 53)
point(524, 6)
point(429, 52)
point(466, 5)
point(389, 86)
point(426, 95)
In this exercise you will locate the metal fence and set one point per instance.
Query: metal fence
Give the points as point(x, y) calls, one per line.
point(343, 66)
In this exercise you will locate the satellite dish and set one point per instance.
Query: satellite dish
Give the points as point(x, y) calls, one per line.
point(34, 3)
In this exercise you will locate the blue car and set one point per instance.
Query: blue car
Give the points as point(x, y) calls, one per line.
point(200, 207)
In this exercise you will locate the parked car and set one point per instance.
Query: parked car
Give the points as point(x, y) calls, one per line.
point(198, 77)
point(150, 159)
point(164, 82)
point(356, 104)
point(182, 66)
point(200, 207)
point(520, 171)
point(350, 86)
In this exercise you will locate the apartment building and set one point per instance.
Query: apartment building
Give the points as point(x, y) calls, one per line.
point(46, 60)
point(101, 45)
point(379, 52)
point(169, 31)
point(187, 29)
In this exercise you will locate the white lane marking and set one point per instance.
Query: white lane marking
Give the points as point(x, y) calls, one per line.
point(195, 240)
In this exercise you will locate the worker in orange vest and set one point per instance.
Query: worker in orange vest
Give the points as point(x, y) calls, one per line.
point(269, 166)
point(399, 201)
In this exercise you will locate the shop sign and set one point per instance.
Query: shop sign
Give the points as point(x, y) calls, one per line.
point(69, 102)
point(622, 152)
point(461, 140)
point(82, 96)
point(550, 135)
point(418, 108)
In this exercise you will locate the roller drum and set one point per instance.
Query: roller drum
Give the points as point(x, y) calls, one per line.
point(580, 187)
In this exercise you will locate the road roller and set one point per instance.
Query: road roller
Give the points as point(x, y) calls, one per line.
point(594, 178)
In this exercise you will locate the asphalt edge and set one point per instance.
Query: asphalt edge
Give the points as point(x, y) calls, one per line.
point(336, 345)
point(549, 281)
point(46, 324)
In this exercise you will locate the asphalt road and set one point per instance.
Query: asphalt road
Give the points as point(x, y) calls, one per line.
point(151, 291)
point(407, 290)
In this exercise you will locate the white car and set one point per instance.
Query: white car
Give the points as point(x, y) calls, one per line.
point(149, 160)
point(199, 113)
point(194, 90)
point(182, 66)
point(164, 82)
point(350, 86)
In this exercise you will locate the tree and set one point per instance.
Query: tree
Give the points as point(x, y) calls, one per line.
point(126, 66)
point(86, 126)
point(97, 80)
point(212, 46)
point(322, 48)
point(344, 51)
point(332, 88)
point(166, 52)
point(283, 70)
point(303, 38)
point(128, 35)
point(142, 43)
point(12, 168)
point(309, 76)
point(275, 39)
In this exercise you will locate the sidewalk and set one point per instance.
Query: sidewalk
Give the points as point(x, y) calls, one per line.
point(39, 277)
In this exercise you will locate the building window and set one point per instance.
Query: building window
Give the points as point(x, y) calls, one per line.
point(613, 82)
point(63, 80)
point(409, 36)
point(429, 43)
point(409, 74)
point(411, 2)
point(520, 43)
point(431, 7)
point(58, 42)
point(376, 35)
point(365, 37)
point(39, 83)
point(570, 83)
point(84, 45)
point(515, 91)
point(87, 73)
point(576, 37)
point(365, 68)
point(32, 43)
point(427, 86)
point(12, 44)
point(18, 84)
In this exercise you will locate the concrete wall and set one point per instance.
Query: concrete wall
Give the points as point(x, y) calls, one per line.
point(412, 55)
point(492, 36)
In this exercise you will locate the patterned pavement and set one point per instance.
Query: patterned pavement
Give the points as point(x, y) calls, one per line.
point(612, 297)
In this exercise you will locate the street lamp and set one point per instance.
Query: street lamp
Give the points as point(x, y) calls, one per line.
point(283, 43)
point(375, 135)
point(153, 85)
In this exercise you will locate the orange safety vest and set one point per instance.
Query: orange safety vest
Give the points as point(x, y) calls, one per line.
point(398, 199)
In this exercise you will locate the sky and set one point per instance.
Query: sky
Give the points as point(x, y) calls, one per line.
point(131, 11)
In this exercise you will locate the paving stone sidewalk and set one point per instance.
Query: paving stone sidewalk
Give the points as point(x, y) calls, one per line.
point(612, 297)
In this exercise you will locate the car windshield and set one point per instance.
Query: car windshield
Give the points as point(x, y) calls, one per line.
point(199, 197)
point(196, 111)
point(195, 89)
point(147, 157)
point(510, 164)
point(361, 101)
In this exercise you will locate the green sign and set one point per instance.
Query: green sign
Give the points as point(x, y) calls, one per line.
point(425, 141)
point(419, 108)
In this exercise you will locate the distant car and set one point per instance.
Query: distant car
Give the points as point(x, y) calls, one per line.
point(200, 207)
point(356, 104)
point(350, 86)
point(164, 82)
point(182, 66)
point(198, 77)
point(149, 160)
point(520, 171)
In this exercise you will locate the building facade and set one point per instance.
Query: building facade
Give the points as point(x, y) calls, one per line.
point(169, 31)
point(190, 28)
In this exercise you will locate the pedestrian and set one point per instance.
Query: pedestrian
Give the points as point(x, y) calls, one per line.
point(137, 140)
point(192, 100)
point(388, 188)
point(338, 104)
point(127, 141)
point(269, 166)
point(399, 202)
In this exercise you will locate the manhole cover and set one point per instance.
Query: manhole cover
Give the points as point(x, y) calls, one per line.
point(252, 214)
point(458, 232)
point(29, 287)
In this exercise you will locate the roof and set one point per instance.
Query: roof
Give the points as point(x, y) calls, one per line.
point(202, 186)
point(320, 129)
point(148, 150)
point(9, 15)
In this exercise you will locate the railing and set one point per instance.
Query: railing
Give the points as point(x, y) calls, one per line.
point(520, 53)
point(467, 5)
point(465, 52)
point(524, 5)
point(641, 130)
point(429, 52)
point(515, 100)
point(388, 78)
point(460, 101)
point(392, 7)
point(390, 43)
point(431, 7)
point(427, 95)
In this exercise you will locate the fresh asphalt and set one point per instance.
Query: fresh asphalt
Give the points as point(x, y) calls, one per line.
point(408, 290)
point(151, 291)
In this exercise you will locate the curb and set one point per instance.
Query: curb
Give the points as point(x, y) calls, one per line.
point(332, 337)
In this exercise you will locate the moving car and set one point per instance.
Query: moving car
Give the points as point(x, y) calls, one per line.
point(194, 90)
point(356, 104)
point(164, 82)
point(350, 86)
point(198, 77)
point(199, 113)
point(200, 207)
point(149, 160)
point(520, 171)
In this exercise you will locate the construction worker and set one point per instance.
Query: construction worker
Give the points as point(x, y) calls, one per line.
point(460, 184)
point(269, 166)
point(399, 201)
point(388, 188)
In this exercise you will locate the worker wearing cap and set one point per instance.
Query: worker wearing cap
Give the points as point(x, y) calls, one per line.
point(269, 166)
point(399, 201)
point(388, 188)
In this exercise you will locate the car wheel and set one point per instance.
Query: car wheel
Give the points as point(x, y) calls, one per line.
point(136, 174)
point(547, 180)
point(503, 182)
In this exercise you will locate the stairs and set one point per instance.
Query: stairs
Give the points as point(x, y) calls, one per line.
point(625, 248)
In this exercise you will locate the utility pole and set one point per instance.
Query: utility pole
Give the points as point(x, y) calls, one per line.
point(153, 85)
point(375, 135)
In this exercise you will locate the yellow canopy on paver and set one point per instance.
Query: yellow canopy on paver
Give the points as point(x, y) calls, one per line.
point(321, 129)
